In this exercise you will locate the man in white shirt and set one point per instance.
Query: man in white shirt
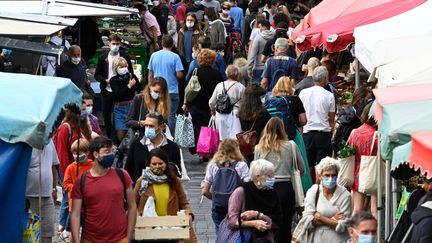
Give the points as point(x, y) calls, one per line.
point(320, 108)
point(45, 160)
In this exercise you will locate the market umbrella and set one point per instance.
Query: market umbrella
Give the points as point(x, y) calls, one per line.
point(332, 9)
point(384, 41)
point(421, 152)
point(336, 35)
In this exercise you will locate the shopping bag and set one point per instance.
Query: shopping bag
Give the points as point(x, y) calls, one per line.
point(184, 133)
point(193, 87)
point(301, 233)
point(296, 179)
point(369, 171)
point(346, 171)
point(184, 175)
point(150, 208)
point(208, 140)
point(32, 232)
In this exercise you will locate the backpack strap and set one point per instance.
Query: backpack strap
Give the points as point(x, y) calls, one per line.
point(82, 185)
point(69, 132)
point(122, 178)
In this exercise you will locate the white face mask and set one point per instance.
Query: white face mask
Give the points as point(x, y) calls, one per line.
point(190, 24)
point(76, 60)
point(122, 70)
point(227, 12)
point(194, 55)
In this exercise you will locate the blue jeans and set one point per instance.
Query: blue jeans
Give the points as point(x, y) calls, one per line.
point(64, 210)
point(217, 218)
point(256, 76)
point(175, 100)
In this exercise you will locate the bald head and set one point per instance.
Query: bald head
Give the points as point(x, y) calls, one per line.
point(232, 72)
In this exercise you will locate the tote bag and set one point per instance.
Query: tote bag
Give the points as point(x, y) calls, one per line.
point(184, 133)
point(296, 179)
point(369, 170)
point(193, 87)
point(208, 140)
point(347, 167)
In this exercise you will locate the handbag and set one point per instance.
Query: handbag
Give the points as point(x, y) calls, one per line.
point(346, 172)
point(208, 140)
point(247, 140)
point(184, 133)
point(296, 179)
point(193, 87)
point(32, 231)
point(303, 234)
point(369, 169)
point(184, 175)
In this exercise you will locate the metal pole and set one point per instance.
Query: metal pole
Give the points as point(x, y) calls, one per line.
point(379, 202)
point(357, 74)
point(388, 210)
point(395, 192)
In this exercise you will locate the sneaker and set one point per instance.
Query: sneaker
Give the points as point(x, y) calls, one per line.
point(64, 236)
point(60, 230)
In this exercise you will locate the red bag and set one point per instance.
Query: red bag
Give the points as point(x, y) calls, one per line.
point(208, 140)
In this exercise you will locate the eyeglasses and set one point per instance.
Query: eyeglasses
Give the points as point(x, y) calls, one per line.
point(225, 8)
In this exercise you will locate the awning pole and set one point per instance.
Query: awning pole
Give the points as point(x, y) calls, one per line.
point(388, 198)
point(357, 74)
point(379, 203)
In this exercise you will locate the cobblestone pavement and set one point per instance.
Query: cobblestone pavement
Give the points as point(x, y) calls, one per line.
point(203, 224)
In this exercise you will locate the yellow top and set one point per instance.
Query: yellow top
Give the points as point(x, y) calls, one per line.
point(161, 192)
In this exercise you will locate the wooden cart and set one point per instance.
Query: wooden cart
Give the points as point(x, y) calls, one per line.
point(162, 228)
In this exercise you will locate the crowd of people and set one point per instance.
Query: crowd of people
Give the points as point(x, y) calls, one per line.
point(251, 80)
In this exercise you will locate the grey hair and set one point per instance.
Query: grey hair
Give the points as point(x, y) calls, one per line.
point(326, 164)
point(73, 48)
point(359, 217)
point(313, 63)
point(281, 44)
point(260, 167)
point(320, 74)
point(232, 72)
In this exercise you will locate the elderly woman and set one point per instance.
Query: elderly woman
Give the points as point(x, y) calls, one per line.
point(159, 181)
point(327, 205)
point(257, 204)
point(229, 156)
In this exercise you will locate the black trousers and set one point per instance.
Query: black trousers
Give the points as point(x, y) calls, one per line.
point(199, 118)
point(107, 112)
point(318, 146)
point(286, 196)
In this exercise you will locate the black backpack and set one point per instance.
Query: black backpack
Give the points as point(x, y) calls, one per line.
point(223, 102)
point(225, 182)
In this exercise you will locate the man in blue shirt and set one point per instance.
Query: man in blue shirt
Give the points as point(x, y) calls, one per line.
point(167, 64)
point(237, 14)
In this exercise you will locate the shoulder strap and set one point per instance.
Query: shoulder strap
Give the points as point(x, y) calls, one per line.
point(317, 197)
point(82, 184)
point(69, 132)
point(229, 87)
point(122, 178)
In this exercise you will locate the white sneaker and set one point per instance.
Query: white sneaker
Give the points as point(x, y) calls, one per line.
point(64, 236)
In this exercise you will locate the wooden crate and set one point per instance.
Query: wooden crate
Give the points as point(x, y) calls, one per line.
point(162, 228)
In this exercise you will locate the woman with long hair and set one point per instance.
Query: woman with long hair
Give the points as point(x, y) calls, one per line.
point(228, 155)
point(159, 181)
point(188, 36)
point(208, 79)
point(275, 147)
point(154, 98)
point(251, 112)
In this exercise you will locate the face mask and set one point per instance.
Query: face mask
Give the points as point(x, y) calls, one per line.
point(194, 55)
point(222, 53)
point(263, 100)
point(7, 51)
point(206, 18)
point(83, 115)
point(269, 182)
point(81, 158)
point(107, 160)
point(154, 95)
point(227, 12)
point(150, 133)
point(329, 182)
point(190, 24)
point(115, 48)
point(76, 60)
point(89, 109)
point(156, 3)
point(366, 239)
point(122, 70)
point(157, 171)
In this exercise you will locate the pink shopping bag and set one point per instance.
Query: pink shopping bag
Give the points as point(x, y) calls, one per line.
point(208, 140)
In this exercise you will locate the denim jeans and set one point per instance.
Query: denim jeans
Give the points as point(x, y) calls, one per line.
point(175, 100)
point(64, 210)
point(256, 76)
point(217, 218)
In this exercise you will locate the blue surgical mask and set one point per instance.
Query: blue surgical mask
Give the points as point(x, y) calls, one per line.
point(89, 109)
point(329, 182)
point(154, 95)
point(366, 239)
point(269, 182)
point(150, 133)
point(7, 51)
point(107, 160)
point(115, 48)
point(263, 100)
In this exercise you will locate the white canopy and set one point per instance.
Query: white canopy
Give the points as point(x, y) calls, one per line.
point(31, 24)
point(393, 38)
point(65, 8)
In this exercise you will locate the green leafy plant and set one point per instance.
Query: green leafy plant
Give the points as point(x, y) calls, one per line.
point(347, 150)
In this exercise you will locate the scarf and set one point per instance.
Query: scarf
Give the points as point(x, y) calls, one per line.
point(148, 178)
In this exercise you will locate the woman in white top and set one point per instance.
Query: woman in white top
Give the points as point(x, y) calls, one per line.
point(228, 155)
point(327, 208)
point(227, 123)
